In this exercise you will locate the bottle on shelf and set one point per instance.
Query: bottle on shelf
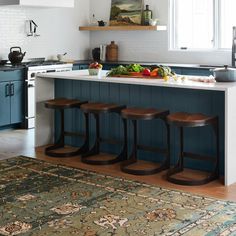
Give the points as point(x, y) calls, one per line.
point(147, 15)
point(112, 52)
point(93, 21)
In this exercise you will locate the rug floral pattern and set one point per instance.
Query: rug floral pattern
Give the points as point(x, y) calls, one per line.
point(39, 198)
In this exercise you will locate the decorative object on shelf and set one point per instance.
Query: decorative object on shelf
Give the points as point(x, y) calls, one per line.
point(93, 21)
point(126, 12)
point(16, 56)
point(153, 22)
point(101, 23)
point(112, 52)
point(103, 49)
point(31, 28)
point(96, 54)
point(147, 16)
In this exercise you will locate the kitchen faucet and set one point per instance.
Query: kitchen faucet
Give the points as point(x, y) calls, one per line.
point(234, 47)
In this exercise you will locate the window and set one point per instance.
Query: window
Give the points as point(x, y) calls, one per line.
point(228, 20)
point(202, 24)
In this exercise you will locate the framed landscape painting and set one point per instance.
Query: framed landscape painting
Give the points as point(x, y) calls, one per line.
point(126, 12)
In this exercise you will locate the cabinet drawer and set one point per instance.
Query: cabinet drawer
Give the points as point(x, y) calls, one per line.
point(12, 75)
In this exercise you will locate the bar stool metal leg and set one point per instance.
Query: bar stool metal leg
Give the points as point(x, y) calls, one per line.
point(95, 150)
point(61, 141)
point(179, 167)
point(133, 157)
point(96, 147)
point(124, 152)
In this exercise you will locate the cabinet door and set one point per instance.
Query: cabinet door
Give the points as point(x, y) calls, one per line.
point(17, 101)
point(4, 103)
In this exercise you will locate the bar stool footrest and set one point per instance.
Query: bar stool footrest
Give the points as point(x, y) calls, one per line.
point(49, 151)
point(125, 168)
point(175, 170)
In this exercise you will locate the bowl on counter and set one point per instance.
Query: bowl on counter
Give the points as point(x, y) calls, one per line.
point(225, 74)
point(95, 72)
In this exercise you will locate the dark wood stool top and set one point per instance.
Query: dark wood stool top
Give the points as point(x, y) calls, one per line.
point(143, 113)
point(101, 107)
point(184, 119)
point(62, 103)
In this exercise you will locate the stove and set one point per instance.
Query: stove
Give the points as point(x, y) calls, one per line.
point(33, 68)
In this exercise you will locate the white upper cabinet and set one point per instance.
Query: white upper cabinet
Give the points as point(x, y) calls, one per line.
point(38, 3)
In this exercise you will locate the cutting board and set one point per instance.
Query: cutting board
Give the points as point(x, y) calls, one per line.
point(136, 76)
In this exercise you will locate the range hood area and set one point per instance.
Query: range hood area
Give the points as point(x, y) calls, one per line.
point(38, 3)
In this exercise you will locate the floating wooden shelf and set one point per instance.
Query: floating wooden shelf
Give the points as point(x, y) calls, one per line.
point(123, 28)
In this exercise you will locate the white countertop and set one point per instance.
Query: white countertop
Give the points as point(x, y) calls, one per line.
point(84, 76)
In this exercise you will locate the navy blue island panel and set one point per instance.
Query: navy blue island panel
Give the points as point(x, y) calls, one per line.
point(200, 140)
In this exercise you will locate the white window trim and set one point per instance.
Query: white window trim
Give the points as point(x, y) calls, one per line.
point(216, 31)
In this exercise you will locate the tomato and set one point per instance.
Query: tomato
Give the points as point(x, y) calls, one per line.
point(146, 72)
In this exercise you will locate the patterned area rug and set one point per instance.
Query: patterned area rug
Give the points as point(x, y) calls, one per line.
point(39, 198)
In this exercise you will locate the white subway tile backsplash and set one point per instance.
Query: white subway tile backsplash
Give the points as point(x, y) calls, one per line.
point(58, 29)
point(12, 31)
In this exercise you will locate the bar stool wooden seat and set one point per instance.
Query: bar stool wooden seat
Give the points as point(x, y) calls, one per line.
point(137, 114)
point(61, 104)
point(96, 109)
point(182, 120)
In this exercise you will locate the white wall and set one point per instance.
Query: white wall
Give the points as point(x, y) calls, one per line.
point(149, 46)
point(58, 28)
point(59, 34)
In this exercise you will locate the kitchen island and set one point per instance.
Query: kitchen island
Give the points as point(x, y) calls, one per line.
point(209, 98)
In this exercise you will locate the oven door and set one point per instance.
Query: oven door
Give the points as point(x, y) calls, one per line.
point(30, 103)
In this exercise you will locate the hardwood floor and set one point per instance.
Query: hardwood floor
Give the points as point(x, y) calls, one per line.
point(21, 142)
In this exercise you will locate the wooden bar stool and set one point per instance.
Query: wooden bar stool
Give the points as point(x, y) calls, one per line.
point(182, 120)
point(61, 104)
point(136, 114)
point(96, 109)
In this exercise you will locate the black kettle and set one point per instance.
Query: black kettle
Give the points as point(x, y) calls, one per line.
point(16, 56)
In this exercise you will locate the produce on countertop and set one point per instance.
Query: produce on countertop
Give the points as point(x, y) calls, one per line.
point(95, 65)
point(137, 70)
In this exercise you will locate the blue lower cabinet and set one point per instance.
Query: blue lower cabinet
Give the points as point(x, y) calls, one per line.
point(198, 71)
point(75, 67)
point(11, 75)
point(5, 104)
point(11, 97)
point(80, 67)
point(109, 66)
point(84, 67)
point(177, 70)
point(17, 98)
